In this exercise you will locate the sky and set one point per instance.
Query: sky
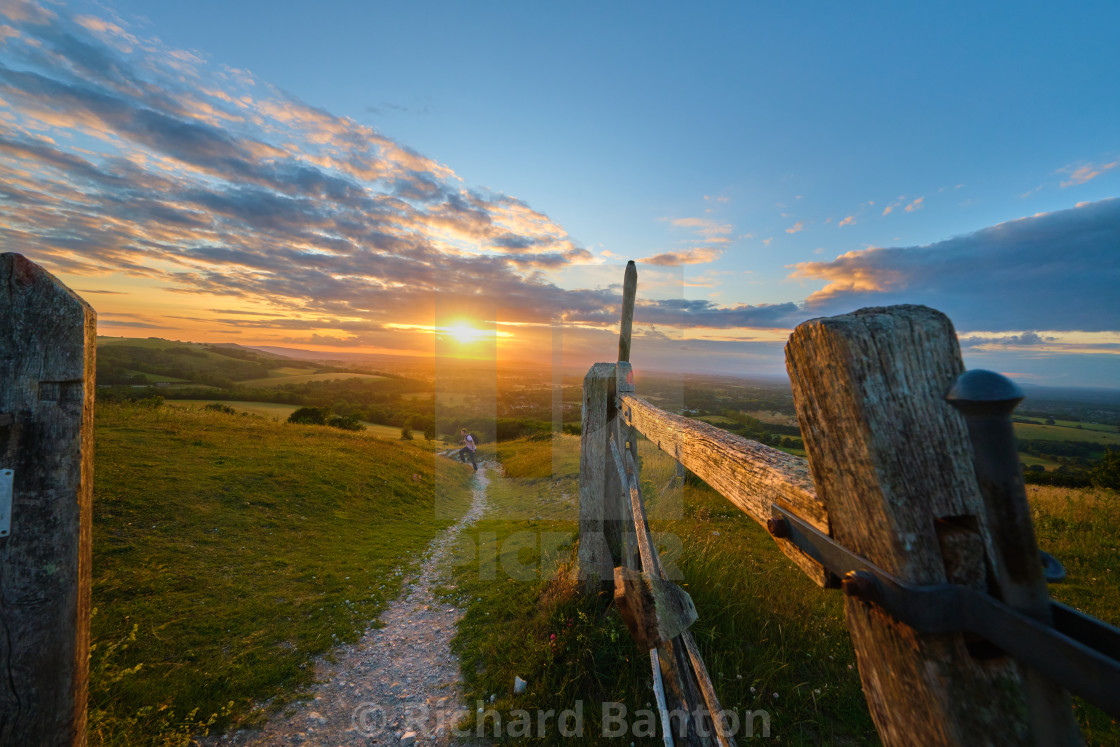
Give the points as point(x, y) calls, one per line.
point(470, 178)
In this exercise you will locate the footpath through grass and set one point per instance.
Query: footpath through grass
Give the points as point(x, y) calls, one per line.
point(771, 639)
point(229, 551)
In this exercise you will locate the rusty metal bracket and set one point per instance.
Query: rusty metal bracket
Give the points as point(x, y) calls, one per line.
point(1079, 652)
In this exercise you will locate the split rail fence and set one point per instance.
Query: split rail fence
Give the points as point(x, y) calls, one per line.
point(911, 501)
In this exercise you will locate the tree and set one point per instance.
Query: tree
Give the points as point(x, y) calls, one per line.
point(345, 423)
point(310, 416)
point(406, 433)
point(1107, 473)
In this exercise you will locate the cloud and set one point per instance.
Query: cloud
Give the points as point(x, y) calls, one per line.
point(699, 255)
point(796, 227)
point(851, 219)
point(915, 205)
point(1025, 339)
point(1055, 271)
point(119, 155)
point(1081, 173)
point(712, 231)
point(691, 313)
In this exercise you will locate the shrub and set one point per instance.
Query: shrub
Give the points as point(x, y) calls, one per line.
point(310, 416)
point(219, 407)
point(345, 423)
point(1107, 473)
point(406, 433)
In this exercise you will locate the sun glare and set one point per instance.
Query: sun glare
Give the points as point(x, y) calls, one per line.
point(464, 333)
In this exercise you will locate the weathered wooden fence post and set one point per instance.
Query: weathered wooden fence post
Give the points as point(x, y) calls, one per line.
point(603, 512)
point(47, 338)
point(600, 493)
point(893, 464)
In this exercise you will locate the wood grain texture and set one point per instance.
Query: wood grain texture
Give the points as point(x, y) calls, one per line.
point(47, 349)
point(747, 473)
point(600, 531)
point(654, 610)
point(890, 459)
point(629, 293)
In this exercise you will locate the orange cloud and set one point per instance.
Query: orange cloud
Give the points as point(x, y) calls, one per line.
point(847, 221)
point(915, 205)
point(1086, 172)
point(696, 256)
point(796, 227)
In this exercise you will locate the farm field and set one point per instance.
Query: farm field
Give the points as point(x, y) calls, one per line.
point(270, 410)
point(1029, 459)
point(155, 378)
point(774, 418)
point(280, 412)
point(1074, 424)
point(1065, 433)
point(303, 378)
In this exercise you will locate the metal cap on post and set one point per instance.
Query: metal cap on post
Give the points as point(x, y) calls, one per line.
point(987, 399)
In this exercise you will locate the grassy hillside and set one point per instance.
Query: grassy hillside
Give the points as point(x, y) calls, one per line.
point(280, 412)
point(231, 550)
point(770, 638)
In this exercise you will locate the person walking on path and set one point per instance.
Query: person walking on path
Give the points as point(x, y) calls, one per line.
point(468, 448)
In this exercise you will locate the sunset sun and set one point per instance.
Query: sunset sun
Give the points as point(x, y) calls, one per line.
point(465, 333)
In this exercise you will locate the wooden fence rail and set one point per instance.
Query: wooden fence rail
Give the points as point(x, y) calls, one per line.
point(892, 476)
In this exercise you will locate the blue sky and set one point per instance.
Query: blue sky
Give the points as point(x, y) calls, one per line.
point(765, 163)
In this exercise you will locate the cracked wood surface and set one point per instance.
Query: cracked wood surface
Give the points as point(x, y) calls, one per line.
point(892, 462)
point(47, 348)
point(749, 474)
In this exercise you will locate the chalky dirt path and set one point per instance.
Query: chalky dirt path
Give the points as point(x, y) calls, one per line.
point(399, 684)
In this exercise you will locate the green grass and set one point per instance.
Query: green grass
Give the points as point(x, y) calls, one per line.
point(230, 551)
point(1064, 433)
point(1081, 528)
point(306, 377)
point(280, 412)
